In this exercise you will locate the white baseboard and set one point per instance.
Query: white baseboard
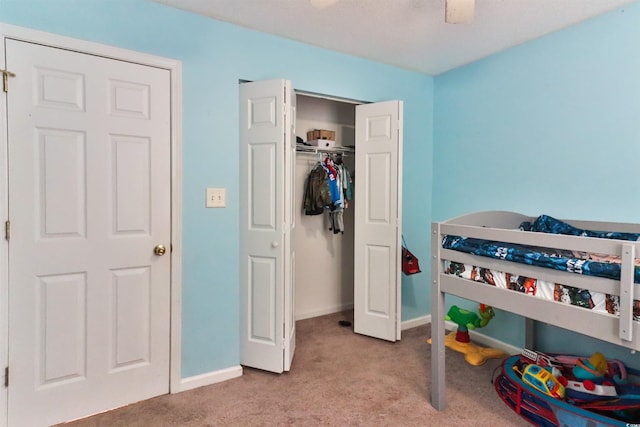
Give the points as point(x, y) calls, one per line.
point(475, 336)
point(414, 323)
point(209, 378)
point(330, 310)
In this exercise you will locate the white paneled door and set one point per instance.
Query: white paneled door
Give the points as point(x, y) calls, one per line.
point(89, 205)
point(378, 212)
point(266, 253)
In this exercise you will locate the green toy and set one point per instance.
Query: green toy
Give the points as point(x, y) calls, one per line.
point(460, 341)
point(466, 319)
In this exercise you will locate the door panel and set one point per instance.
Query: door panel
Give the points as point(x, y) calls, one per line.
point(61, 310)
point(62, 184)
point(129, 182)
point(377, 220)
point(89, 198)
point(131, 290)
point(265, 228)
point(262, 304)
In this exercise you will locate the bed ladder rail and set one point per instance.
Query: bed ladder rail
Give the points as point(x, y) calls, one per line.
point(626, 291)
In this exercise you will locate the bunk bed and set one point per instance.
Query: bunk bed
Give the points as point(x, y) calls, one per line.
point(584, 257)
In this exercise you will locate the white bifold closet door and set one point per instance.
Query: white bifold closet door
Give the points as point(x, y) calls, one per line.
point(267, 255)
point(266, 226)
point(378, 213)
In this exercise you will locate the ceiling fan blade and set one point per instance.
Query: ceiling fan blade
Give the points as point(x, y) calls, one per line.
point(459, 11)
point(322, 4)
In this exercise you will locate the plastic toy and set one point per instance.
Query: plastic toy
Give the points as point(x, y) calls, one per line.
point(541, 379)
point(466, 320)
point(584, 380)
point(615, 369)
point(534, 357)
point(588, 381)
point(593, 368)
point(460, 340)
point(588, 391)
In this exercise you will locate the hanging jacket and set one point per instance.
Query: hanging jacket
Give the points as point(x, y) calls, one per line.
point(334, 189)
point(316, 194)
point(347, 184)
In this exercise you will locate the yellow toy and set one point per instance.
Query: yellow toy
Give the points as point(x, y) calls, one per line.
point(459, 340)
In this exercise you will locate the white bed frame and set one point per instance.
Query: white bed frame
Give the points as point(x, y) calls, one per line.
point(503, 226)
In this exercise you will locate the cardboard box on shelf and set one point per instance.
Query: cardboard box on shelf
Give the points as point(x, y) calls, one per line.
point(321, 134)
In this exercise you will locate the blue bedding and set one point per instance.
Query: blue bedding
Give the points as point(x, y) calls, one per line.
point(547, 224)
point(559, 259)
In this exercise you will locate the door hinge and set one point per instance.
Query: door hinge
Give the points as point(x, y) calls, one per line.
point(5, 79)
point(6, 376)
point(7, 229)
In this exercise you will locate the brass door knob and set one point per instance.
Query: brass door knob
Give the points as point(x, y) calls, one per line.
point(159, 250)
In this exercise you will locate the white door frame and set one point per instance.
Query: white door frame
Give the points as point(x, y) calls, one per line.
point(175, 69)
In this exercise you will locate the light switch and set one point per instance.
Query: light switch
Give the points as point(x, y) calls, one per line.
point(216, 198)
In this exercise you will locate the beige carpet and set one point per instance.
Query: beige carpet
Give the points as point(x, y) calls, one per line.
point(338, 378)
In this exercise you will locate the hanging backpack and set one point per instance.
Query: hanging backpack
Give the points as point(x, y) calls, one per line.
point(410, 263)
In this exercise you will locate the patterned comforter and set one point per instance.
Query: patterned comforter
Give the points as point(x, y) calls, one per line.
point(598, 265)
point(576, 262)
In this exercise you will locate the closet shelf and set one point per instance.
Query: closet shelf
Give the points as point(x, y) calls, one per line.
point(314, 150)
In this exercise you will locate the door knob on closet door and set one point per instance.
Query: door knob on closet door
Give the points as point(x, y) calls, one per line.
point(159, 250)
point(274, 244)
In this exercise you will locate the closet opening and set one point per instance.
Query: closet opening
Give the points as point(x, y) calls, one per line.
point(293, 266)
point(324, 243)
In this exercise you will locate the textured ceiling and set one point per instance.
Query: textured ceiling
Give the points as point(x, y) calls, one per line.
point(407, 33)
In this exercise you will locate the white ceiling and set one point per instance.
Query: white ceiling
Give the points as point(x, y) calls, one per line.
point(407, 33)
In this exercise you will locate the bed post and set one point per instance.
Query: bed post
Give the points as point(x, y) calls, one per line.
point(626, 292)
point(438, 398)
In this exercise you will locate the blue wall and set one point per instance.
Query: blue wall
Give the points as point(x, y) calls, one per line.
point(215, 56)
point(551, 126)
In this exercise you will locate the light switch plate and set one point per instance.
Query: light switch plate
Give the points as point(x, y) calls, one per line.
point(216, 198)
